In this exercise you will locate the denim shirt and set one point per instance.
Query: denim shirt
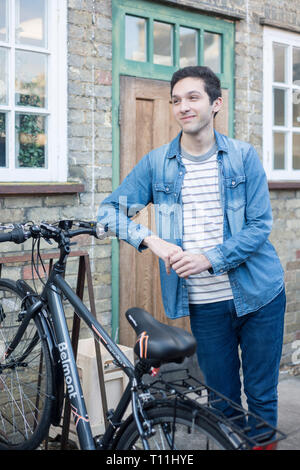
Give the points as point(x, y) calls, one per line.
point(246, 254)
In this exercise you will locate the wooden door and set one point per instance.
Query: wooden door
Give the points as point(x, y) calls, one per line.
point(146, 122)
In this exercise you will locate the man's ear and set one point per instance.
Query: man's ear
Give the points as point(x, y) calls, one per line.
point(217, 104)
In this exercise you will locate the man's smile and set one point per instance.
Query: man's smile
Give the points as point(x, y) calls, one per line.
point(186, 118)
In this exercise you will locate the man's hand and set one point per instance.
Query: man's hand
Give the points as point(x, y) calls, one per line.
point(162, 249)
point(186, 263)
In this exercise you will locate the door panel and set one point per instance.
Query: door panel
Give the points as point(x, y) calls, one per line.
point(146, 122)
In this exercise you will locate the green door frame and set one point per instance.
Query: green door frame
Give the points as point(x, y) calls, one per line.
point(121, 66)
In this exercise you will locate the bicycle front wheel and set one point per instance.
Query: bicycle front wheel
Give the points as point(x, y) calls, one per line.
point(25, 376)
point(176, 428)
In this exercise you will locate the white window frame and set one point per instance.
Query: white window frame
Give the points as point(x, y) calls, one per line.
point(289, 39)
point(56, 111)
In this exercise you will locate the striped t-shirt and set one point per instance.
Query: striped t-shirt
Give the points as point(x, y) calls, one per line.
point(203, 223)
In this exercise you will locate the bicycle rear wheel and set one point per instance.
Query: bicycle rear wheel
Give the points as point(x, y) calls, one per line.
point(26, 380)
point(176, 429)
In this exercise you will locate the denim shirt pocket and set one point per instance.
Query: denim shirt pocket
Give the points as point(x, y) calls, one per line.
point(162, 191)
point(235, 192)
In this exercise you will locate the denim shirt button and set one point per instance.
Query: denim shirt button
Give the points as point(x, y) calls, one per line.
point(167, 189)
point(233, 183)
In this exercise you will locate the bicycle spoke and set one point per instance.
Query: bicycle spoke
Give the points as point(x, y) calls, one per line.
point(15, 407)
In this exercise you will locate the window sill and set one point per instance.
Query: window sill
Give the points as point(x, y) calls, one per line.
point(39, 189)
point(284, 185)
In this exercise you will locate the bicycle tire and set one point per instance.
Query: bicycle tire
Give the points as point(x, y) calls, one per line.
point(192, 431)
point(26, 381)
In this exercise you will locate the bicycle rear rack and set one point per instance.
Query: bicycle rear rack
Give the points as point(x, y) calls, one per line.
point(181, 384)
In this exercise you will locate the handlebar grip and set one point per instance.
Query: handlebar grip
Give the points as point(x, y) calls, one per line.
point(6, 237)
point(17, 235)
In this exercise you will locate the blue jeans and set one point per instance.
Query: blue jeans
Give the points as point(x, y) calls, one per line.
point(220, 333)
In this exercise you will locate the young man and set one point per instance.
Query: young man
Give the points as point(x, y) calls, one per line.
point(213, 217)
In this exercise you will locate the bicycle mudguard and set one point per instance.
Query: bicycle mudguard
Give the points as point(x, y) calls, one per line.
point(57, 372)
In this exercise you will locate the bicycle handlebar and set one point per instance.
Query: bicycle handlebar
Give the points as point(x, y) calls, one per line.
point(21, 233)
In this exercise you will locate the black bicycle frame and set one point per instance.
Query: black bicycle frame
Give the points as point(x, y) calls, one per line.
point(56, 285)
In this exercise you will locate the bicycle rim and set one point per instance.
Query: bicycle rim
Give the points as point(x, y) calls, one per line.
point(184, 431)
point(25, 377)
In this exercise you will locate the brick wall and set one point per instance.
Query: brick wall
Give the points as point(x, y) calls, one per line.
point(90, 131)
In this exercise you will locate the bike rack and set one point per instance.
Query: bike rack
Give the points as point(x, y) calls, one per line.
point(84, 272)
point(181, 384)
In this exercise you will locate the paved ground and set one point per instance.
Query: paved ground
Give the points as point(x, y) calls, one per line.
point(289, 412)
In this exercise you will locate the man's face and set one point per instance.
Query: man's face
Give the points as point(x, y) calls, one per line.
point(191, 105)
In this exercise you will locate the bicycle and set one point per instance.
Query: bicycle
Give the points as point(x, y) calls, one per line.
point(38, 368)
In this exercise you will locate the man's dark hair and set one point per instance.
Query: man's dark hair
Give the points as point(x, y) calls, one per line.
point(212, 84)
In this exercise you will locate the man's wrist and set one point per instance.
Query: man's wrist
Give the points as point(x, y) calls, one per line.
point(147, 240)
point(206, 262)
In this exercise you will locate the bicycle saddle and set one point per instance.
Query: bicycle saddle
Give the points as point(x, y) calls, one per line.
point(157, 341)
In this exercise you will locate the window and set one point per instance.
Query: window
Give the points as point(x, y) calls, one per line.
point(171, 44)
point(136, 40)
point(188, 46)
point(162, 43)
point(281, 105)
point(33, 90)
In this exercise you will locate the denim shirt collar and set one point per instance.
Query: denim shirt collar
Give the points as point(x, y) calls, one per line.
point(174, 147)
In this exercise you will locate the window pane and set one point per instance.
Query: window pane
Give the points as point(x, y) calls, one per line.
point(3, 20)
point(162, 43)
point(31, 22)
point(279, 150)
point(188, 47)
point(2, 139)
point(135, 38)
point(296, 151)
point(296, 64)
point(212, 51)
point(279, 107)
point(296, 114)
point(3, 76)
point(30, 141)
point(30, 79)
point(279, 70)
